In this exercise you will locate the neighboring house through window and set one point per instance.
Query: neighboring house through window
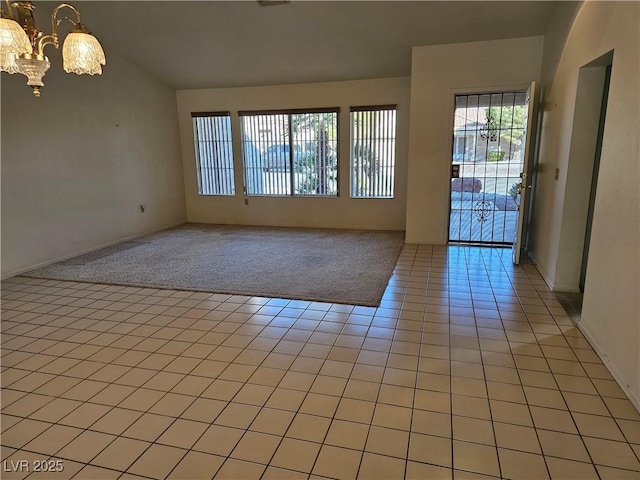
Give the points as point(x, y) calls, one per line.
point(290, 152)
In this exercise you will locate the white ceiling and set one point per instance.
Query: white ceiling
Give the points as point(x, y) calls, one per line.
point(224, 44)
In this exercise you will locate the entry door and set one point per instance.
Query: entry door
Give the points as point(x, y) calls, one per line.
point(523, 188)
point(488, 156)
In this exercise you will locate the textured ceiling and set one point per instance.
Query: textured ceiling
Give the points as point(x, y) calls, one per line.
point(224, 44)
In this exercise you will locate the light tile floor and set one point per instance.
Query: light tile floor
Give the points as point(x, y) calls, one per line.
point(468, 369)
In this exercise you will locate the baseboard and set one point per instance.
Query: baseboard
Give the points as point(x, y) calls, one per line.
point(88, 250)
point(633, 398)
point(542, 273)
point(298, 225)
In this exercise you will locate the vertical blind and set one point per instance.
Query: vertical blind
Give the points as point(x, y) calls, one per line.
point(290, 152)
point(373, 151)
point(214, 153)
point(265, 153)
point(295, 152)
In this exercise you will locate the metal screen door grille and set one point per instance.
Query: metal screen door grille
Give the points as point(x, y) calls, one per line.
point(290, 152)
point(373, 151)
point(488, 144)
point(214, 153)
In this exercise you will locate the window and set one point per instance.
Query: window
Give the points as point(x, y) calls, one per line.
point(214, 153)
point(373, 151)
point(292, 152)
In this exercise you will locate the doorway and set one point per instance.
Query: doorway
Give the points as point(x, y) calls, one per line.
point(488, 156)
point(594, 176)
point(581, 177)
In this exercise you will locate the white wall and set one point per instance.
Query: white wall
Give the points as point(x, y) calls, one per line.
point(437, 73)
point(610, 312)
point(555, 36)
point(579, 173)
point(77, 162)
point(341, 212)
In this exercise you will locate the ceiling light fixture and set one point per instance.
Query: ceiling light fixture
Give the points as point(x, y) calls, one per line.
point(22, 44)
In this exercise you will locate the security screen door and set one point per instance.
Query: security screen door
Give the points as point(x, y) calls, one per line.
point(490, 148)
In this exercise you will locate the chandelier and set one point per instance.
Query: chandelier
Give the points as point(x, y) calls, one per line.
point(22, 44)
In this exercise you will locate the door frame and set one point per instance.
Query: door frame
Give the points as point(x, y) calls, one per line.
point(586, 108)
point(521, 87)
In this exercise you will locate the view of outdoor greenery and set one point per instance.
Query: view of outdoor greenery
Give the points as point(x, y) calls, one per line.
point(319, 164)
point(373, 148)
point(488, 145)
point(296, 153)
point(507, 123)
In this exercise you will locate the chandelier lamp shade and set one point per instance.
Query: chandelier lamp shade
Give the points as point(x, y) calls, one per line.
point(22, 44)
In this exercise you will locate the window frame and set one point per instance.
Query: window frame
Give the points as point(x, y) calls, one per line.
point(352, 131)
point(230, 186)
point(290, 112)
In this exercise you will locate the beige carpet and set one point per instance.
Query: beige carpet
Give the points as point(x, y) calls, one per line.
point(344, 266)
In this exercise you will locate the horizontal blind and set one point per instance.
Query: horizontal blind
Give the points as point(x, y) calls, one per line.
point(373, 151)
point(214, 153)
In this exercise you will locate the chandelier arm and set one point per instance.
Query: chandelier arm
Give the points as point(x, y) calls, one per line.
point(52, 38)
point(54, 20)
point(44, 40)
